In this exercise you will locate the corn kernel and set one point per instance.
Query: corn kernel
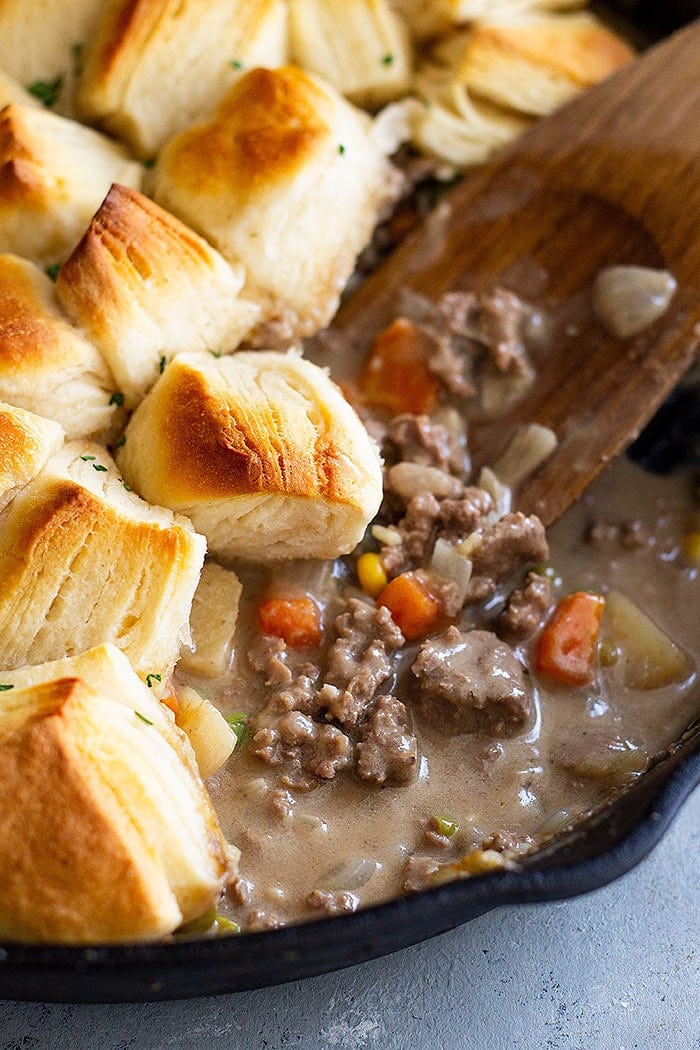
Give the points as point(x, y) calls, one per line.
point(371, 574)
point(691, 546)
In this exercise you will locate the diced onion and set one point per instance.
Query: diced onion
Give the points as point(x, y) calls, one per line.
point(352, 875)
point(499, 492)
point(408, 479)
point(449, 563)
point(627, 299)
point(529, 447)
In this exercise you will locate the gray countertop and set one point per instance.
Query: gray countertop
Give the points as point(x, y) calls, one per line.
point(618, 969)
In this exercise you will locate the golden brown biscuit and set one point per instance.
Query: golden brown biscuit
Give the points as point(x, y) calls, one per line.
point(535, 64)
point(110, 835)
point(27, 441)
point(261, 450)
point(46, 365)
point(430, 18)
point(53, 176)
point(144, 287)
point(287, 178)
point(42, 41)
point(83, 560)
point(157, 65)
point(362, 48)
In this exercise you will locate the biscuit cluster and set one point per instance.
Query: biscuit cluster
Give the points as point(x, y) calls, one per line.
point(180, 180)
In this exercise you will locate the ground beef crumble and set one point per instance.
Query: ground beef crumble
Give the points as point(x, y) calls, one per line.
point(359, 660)
point(526, 608)
point(387, 750)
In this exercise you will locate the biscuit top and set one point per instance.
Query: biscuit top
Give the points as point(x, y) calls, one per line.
point(266, 130)
point(26, 441)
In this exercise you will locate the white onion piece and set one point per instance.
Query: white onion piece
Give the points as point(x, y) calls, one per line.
point(351, 875)
point(451, 564)
point(388, 537)
point(528, 449)
point(627, 299)
point(500, 494)
point(408, 479)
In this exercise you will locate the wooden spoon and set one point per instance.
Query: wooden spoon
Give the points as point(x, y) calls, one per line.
point(612, 178)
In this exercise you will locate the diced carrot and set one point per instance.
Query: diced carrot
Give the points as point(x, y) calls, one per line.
point(170, 702)
point(412, 608)
point(566, 648)
point(396, 376)
point(296, 620)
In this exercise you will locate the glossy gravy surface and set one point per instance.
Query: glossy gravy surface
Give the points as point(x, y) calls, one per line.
point(350, 836)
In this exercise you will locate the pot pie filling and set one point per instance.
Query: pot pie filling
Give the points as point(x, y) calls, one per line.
point(383, 676)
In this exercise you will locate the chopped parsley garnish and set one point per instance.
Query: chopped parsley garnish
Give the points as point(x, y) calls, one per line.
point(388, 60)
point(99, 467)
point(77, 53)
point(151, 678)
point(47, 91)
point(216, 353)
point(117, 399)
point(236, 64)
point(121, 442)
point(53, 271)
point(150, 162)
point(162, 363)
point(88, 459)
point(341, 149)
point(143, 718)
point(4, 687)
point(238, 724)
point(127, 487)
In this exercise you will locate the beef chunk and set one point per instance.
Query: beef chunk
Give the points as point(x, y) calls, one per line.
point(501, 547)
point(359, 660)
point(469, 682)
point(526, 608)
point(387, 749)
point(419, 873)
point(417, 439)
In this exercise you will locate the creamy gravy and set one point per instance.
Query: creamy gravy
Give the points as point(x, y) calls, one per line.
point(486, 785)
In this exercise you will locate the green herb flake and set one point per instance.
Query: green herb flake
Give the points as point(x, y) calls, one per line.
point(77, 53)
point(235, 63)
point(121, 442)
point(47, 91)
point(151, 678)
point(238, 724)
point(4, 687)
point(162, 363)
point(445, 826)
point(388, 60)
point(341, 149)
point(216, 353)
point(143, 718)
point(117, 399)
point(53, 271)
point(126, 487)
point(99, 467)
point(150, 162)
point(88, 459)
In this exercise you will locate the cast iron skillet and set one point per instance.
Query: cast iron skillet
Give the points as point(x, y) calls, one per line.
point(596, 850)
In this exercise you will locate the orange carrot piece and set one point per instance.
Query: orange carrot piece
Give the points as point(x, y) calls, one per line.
point(566, 649)
point(412, 608)
point(296, 620)
point(396, 376)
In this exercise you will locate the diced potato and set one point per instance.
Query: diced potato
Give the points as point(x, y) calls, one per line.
point(650, 659)
point(212, 621)
point(209, 733)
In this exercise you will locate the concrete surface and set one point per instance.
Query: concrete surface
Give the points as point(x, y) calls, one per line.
point(616, 970)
